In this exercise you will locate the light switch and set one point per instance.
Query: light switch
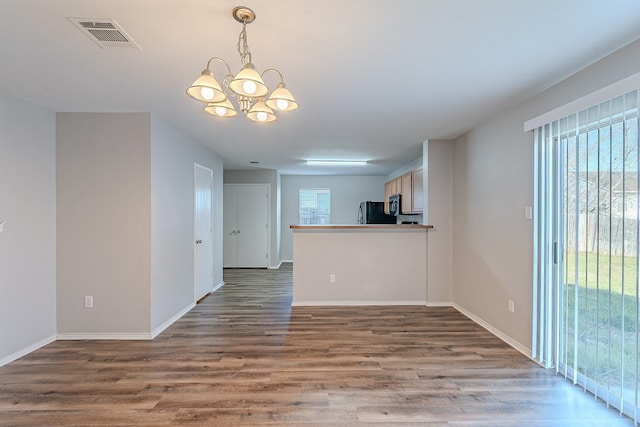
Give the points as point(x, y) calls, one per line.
point(528, 212)
point(2, 226)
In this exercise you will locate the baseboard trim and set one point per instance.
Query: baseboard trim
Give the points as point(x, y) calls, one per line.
point(439, 304)
point(157, 331)
point(271, 267)
point(33, 347)
point(504, 337)
point(352, 303)
point(125, 336)
point(218, 286)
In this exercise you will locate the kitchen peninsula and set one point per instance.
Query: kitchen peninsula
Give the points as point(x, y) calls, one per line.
point(359, 264)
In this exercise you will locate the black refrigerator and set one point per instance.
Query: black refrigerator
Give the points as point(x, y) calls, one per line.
point(373, 213)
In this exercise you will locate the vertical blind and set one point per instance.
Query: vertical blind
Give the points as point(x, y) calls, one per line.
point(586, 240)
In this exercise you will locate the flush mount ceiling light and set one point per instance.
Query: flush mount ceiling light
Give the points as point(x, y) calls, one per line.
point(336, 162)
point(248, 86)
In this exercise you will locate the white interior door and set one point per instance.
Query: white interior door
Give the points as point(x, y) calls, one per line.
point(230, 243)
point(253, 226)
point(203, 231)
point(246, 225)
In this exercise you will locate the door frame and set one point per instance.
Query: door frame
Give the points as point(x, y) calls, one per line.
point(197, 166)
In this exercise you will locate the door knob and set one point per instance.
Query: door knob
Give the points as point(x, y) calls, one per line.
point(198, 241)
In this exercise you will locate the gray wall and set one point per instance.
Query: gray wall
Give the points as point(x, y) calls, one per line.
point(125, 222)
point(493, 183)
point(173, 155)
point(438, 174)
point(27, 244)
point(103, 165)
point(346, 194)
point(271, 177)
point(95, 204)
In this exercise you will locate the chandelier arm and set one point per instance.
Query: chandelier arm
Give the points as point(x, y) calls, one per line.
point(219, 59)
point(275, 71)
point(225, 82)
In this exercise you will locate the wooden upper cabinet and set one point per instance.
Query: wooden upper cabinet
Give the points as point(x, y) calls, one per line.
point(417, 191)
point(410, 186)
point(407, 196)
point(390, 188)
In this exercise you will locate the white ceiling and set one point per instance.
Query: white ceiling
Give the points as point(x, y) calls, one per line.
point(374, 78)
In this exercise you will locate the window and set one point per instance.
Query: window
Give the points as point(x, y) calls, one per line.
point(314, 206)
point(587, 233)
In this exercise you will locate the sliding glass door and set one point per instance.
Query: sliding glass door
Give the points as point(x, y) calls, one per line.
point(591, 237)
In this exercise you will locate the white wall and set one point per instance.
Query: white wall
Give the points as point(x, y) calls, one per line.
point(346, 194)
point(493, 183)
point(263, 176)
point(103, 222)
point(370, 267)
point(416, 164)
point(173, 155)
point(279, 217)
point(27, 244)
point(438, 212)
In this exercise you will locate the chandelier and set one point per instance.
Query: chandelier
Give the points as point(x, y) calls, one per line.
point(253, 97)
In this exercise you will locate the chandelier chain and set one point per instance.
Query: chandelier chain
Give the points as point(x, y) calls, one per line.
point(243, 46)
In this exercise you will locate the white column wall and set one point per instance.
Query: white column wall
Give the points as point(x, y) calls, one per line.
point(438, 174)
point(28, 242)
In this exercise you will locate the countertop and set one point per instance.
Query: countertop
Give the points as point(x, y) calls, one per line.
point(369, 227)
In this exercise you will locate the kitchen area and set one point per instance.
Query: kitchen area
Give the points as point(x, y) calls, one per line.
point(380, 260)
point(348, 192)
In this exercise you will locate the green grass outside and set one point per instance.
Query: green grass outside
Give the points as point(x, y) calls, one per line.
point(607, 310)
point(593, 266)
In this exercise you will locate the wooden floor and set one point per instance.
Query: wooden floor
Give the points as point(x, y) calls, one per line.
point(243, 356)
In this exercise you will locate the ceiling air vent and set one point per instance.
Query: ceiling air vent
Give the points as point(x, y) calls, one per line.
point(105, 32)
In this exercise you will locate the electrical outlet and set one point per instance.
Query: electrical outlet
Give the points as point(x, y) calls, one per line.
point(332, 278)
point(512, 306)
point(88, 301)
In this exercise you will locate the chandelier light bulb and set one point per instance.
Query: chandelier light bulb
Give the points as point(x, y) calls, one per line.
point(206, 88)
point(281, 99)
point(261, 113)
point(249, 87)
point(221, 109)
point(206, 93)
